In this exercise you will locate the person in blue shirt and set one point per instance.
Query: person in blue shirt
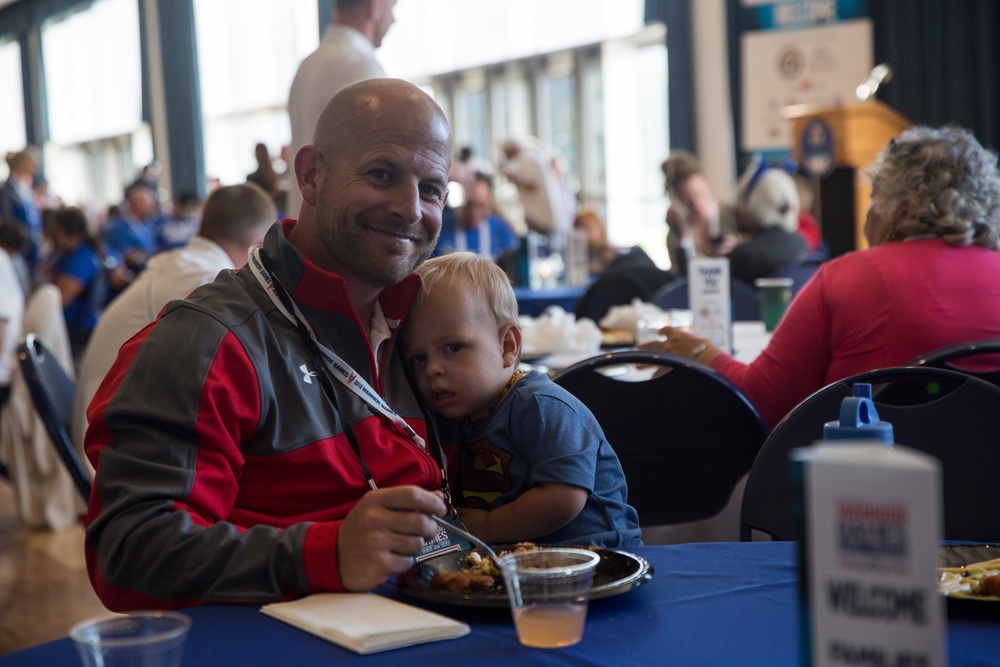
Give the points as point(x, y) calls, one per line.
point(474, 226)
point(133, 235)
point(17, 201)
point(77, 269)
point(178, 228)
point(532, 461)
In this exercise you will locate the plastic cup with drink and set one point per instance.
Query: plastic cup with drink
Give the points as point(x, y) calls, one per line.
point(549, 590)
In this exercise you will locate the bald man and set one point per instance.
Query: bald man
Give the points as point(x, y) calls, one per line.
point(239, 440)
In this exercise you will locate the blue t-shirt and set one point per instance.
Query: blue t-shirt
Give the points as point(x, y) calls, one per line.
point(541, 433)
point(81, 314)
point(122, 235)
point(176, 232)
point(501, 238)
point(17, 205)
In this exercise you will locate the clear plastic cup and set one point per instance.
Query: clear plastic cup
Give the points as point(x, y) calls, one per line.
point(139, 639)
point(647, 329)
point(549, 590)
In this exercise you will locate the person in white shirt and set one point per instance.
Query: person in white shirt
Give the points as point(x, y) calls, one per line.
point(234, 218)
point(345, 55)
point(13, 241)
point(548, 205)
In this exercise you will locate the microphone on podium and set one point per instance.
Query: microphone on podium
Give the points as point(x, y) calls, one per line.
point(881, 73)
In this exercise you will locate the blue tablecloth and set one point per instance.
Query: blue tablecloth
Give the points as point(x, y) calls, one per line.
point(534, 302)
point(707, 604)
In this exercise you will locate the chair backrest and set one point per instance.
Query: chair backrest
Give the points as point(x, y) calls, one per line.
point(51, 390)
point(684, 438)
point(957, 420)
point(745, 299)
point(802, 268)
point(612, 289)
point(972, 357)
point(673, 295)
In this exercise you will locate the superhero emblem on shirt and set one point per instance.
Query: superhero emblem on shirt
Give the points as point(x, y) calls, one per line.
point(484, 474)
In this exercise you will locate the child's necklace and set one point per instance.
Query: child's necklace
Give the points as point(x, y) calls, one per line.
point(515, 376)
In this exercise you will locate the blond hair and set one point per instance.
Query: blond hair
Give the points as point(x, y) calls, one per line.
point(467, 270)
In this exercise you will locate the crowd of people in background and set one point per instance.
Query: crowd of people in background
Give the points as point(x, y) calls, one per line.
point(91, 256)
point(226, 407)
point(94, 256)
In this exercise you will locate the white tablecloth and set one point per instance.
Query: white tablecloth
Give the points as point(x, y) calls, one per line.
point(749, 339)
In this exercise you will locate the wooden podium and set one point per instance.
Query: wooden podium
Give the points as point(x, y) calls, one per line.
point(837, 145)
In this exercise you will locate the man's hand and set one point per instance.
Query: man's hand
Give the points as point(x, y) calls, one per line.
point(383, 532)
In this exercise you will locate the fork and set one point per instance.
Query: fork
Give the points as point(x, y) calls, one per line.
point(469, 536)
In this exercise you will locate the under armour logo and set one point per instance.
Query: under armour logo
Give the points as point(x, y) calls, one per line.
point(307, 375)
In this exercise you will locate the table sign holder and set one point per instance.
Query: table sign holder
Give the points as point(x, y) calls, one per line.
point(711, 302)
point(871, 521)
point(577, 258)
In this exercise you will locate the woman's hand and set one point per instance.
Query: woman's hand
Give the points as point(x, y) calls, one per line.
point(683, 344)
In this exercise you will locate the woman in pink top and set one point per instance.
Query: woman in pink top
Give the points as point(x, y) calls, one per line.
point(931, 278)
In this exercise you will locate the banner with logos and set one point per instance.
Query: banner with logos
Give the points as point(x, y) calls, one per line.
point(798, 52)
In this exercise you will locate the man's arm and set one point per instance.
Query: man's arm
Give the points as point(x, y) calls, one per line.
point(170, 467)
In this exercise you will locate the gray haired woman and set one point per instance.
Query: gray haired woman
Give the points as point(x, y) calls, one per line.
point(768, 213)
point(931, 278)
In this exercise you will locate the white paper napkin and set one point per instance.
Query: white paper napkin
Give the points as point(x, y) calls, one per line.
point(365, 622)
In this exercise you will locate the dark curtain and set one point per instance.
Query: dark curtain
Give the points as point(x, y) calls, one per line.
point(945, 56)
point(676, 15)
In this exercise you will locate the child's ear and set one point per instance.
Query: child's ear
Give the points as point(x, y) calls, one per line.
point(510, 345)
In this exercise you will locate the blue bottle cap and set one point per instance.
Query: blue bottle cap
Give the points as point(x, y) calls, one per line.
point(859, 421)
point(862, 390)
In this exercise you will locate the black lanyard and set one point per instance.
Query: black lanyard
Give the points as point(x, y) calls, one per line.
point(328, 389)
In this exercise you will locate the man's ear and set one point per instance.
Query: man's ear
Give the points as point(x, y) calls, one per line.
point(510, 345)
point(308, 164)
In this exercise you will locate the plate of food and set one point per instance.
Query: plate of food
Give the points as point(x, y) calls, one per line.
point(969, 577)
point(471, 579)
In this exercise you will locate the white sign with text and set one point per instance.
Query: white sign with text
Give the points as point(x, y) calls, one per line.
point(711, 303)
point(869, 557)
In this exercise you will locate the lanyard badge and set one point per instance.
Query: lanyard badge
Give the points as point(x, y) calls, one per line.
point(445, 541)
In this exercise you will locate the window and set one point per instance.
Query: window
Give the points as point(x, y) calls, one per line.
point(585, 77)
point(511, 105)
point(14, 135)
point(471, 115)
point(246, 71)
point(557, 116)
point(592, 168)
point(94, 103)
point(634, 83)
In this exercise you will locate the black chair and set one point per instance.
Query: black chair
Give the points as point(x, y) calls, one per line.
point(617, 288)
point(957, 421)
point(51, 391)
point(966, 358)
point(802, 268)
point(745, 299)
point(684, 438)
